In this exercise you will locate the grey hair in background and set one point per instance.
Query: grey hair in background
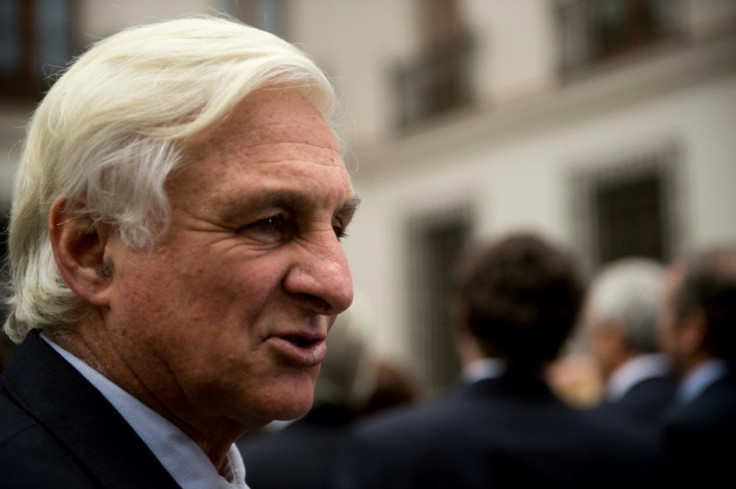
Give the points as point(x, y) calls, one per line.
point(628, 294)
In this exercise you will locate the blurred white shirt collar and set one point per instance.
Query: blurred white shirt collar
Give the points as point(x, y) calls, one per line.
point(634, 371)
point(702, 377)
point(485, 368)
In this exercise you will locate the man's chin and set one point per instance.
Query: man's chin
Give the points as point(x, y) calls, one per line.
point(294, 411)
point(288, 407)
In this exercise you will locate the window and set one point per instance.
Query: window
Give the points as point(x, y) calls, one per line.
point(35, 42)
point(628, 208)
point(438, 79)
point(435, 243)
point(594, 31)
point(629, 217)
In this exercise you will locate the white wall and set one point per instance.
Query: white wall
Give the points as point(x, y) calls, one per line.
point(357, 42)
point(515, 47)
point(100, 18)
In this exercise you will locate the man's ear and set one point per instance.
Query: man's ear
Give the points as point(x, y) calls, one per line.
point(693, 332)
point(617, 337)
point(79, 250)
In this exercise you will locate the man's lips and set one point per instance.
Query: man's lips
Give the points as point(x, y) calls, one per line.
point(299, 349)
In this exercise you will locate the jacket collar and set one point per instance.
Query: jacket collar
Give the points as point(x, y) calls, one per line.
point(53, 392)
point(513, 384)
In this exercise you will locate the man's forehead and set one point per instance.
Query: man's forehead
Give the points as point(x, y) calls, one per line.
point(270, 116)
point(673, 279)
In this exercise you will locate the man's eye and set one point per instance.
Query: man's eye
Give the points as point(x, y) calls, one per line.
point(339, 229)
point(270, 224)
point(277, 226)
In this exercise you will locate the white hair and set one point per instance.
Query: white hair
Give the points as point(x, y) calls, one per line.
point(112, 128)
point(628, 294)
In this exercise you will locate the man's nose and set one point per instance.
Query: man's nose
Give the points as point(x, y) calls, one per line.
point(321, 275)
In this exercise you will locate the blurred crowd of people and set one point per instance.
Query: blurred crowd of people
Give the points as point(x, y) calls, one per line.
point(653, 401)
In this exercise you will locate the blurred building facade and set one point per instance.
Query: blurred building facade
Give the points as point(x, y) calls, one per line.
point(607, 124)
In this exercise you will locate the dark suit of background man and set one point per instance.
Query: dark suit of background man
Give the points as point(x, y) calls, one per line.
point(622, 309)
point(175, 256)
point(698, 330)
point(517, 300)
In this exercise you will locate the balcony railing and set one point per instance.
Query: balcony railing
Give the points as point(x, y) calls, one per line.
point(437, 81)
point(595, 31)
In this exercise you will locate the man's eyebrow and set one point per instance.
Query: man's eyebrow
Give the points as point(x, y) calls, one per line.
point(278, 198)
point(292, 200)
point(350, 206)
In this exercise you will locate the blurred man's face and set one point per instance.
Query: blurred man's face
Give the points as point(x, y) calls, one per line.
point(670, 338)
point(606, 343)
point(227, 316)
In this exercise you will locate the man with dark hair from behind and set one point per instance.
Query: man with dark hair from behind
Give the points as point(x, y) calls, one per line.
point(517, 301)
point(698, 330)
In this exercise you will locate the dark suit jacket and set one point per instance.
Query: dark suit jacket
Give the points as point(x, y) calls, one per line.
point(700, 436)
point(645, 402)
point(300, 456)
point(58, 431)
point(498, 433)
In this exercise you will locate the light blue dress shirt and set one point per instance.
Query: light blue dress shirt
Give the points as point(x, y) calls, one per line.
point(484, 368)
point(634, 371)
point(702, 377)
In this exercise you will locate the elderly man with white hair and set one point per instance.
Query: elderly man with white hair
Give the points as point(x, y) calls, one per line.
point(175, 257)
point(621, 315)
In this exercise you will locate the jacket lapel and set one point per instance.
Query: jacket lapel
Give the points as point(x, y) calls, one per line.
point(52, 391)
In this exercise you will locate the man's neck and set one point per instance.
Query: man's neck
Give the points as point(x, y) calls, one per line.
point(214, 435)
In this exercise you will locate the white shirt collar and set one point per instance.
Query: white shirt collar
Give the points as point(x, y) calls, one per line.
point(485, 368)
point(179, 454)
point(634, 371)
point(702, 377)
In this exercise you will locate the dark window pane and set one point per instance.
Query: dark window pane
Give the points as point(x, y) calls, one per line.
point(35, 42)
point(9, 47)
point(630, 219)
point(593, 31)
point(435, 247)
point(52, 36)
point(438, 80)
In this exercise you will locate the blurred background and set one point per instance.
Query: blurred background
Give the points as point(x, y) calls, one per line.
point(609, 125)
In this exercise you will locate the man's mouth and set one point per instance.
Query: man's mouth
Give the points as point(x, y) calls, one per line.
point(299, 350)
point(301, 341)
